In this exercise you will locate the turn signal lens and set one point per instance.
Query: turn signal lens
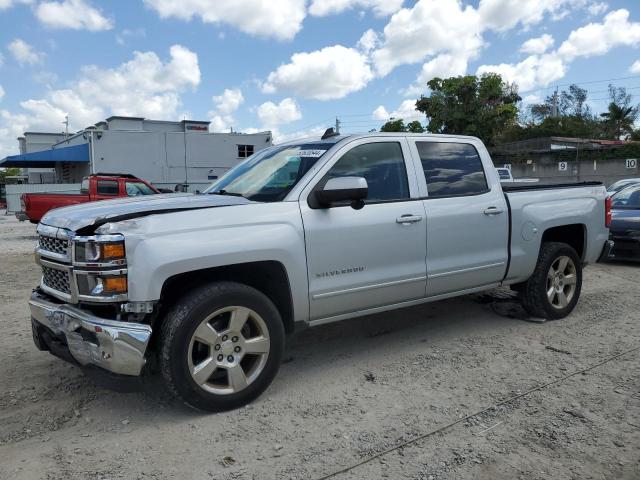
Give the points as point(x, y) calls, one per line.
point(112, 251)
point(115, 284)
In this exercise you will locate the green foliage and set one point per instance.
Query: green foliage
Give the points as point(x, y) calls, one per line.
point(621, 115)
point(483, 107)
point(415, 127)
point(399, 126)
point(8, 172)
point(394, 126)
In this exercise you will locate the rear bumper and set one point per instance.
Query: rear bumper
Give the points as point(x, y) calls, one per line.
point(606, 251)
point(80, 337)
point(626, 248)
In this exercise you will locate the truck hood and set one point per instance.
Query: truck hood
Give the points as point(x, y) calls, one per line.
point(92, 215)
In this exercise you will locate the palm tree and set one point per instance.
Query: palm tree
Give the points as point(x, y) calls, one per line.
point(620, 118)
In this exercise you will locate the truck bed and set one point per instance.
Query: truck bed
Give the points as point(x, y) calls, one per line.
point(534, 210)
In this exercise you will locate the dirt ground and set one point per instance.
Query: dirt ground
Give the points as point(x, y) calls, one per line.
point(458, 389)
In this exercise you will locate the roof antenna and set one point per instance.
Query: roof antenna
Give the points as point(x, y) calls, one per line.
point(329, 132)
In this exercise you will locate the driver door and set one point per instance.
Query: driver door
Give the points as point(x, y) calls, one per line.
point(374, 256)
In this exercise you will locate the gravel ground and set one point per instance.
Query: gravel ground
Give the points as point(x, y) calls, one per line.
point(457, 389)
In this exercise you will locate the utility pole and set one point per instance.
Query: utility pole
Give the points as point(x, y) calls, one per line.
point(554, 104)
point(337, 125)
point(66, 126)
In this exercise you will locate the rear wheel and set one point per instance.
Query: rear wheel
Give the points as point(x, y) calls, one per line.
point(554, 288)
point(221, 346)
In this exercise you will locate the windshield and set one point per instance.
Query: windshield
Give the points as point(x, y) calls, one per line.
point(269, 175)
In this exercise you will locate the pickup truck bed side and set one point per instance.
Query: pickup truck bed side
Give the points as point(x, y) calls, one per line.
point(537, 209)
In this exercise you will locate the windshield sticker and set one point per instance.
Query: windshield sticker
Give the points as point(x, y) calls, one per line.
point(311, 153)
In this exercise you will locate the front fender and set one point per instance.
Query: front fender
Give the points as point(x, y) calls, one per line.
point(162, 246)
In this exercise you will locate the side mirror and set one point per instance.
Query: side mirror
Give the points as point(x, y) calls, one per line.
point(343, 189)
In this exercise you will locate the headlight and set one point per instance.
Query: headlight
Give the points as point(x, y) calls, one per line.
point(92, 250)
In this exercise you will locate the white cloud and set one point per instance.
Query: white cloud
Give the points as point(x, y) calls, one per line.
point(328, 7)
point(380, 113)
point(534, 71)
point(280, 19)
point(442, 66)
point(229, 101)
point(368, 41)
point(1, 92)
point(590, 40)
point(271, 114)
point(326, 74)
point(126, 34)
point(532, 99)
point(4, 4)
point(429, 28)
point(537, 45)
point(599, 38)
point(225, 105)
point(597, 8)
point(635, 68)
point(501, 15)
point(144, 86)
point(72, 14)
point(24, 53)
point(406, 111)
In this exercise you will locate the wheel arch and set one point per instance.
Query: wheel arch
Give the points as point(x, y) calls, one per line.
point(574, 235)
point(269, 277)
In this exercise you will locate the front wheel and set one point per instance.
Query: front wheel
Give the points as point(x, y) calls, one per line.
point(554, 288)
point(221, 346)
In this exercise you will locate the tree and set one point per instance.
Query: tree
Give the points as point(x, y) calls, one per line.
point(415, 127)
point(481, 106)
point(8, 172)
point(393, 126)
point(570, 103)
point(620, 118)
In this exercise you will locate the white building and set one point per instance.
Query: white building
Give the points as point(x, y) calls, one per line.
point(164, 153)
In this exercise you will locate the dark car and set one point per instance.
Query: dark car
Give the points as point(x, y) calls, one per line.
point(625, 223)
point(621, 185)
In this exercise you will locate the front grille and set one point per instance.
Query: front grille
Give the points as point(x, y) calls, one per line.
point(56, 279)
point(55, 245)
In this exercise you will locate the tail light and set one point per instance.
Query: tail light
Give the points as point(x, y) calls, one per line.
point(23, 202)
point(607, 212)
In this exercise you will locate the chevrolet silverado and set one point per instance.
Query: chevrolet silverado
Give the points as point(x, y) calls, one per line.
point(205, 288)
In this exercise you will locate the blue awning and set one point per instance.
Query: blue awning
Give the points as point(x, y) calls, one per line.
point(48, 158)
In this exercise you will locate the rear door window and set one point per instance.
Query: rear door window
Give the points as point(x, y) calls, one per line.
point(452, 169)
point(107, 187)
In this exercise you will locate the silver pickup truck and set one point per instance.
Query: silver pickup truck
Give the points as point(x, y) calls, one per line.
point(205, 287)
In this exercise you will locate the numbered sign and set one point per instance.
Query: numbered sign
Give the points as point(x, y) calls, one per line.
point(631, 163)
point(507, 166)
point(563, 166)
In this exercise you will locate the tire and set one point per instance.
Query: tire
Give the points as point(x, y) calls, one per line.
point(199, 345)
point(538, 298)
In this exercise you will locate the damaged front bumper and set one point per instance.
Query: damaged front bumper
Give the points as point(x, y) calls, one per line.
point(78, 336)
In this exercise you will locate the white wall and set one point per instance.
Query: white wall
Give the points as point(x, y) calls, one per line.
point(14, 192)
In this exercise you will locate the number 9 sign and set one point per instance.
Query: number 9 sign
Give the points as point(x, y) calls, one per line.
point(563, 166)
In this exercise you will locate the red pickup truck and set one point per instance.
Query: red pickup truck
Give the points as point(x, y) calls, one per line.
point(100, 186)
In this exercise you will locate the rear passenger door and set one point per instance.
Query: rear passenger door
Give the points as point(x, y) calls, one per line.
point(467, 217)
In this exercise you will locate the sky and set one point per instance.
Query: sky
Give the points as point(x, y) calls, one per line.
point(293, 66)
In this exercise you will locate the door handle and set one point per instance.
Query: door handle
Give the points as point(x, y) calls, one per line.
point(493, 211)
point(408, 218)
